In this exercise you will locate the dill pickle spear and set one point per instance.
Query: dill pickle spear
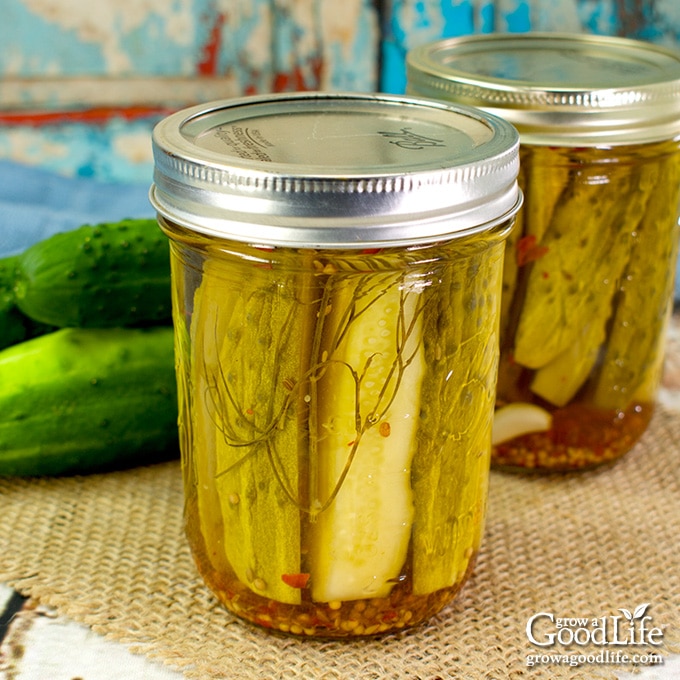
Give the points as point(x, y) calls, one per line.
point(644, 302)
point(584, 233)
point(544, 181)
point(209, 322)
point(511, 268)
point(558, 381)
point(450, 467)
point(248, 354)
point(368, 404)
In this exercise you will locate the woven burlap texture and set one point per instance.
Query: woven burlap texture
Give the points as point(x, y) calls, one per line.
point(109, 551)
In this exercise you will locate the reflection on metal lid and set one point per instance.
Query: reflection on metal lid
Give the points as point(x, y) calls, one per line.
point(337, 170)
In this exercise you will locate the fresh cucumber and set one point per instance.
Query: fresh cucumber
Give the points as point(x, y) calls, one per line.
point(368, 407)
point(14, 325)
point(82, 400)
point(104, 275)
point(12, 322)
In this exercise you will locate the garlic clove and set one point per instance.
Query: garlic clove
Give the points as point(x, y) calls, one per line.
point(517, 419)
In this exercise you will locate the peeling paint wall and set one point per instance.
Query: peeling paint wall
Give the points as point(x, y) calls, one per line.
point(83, 81)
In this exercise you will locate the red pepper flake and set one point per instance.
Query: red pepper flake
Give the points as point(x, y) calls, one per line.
point(528, 250)
point(295, 580)
point(384, 429)
point(249, 411)
point(351, 443)
point(371, 251)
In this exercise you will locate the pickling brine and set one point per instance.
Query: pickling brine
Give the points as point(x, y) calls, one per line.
point(588, 290)
point(336, 426)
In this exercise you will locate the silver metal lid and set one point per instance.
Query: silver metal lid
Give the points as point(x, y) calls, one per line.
point(555, 87)
point(334, 170)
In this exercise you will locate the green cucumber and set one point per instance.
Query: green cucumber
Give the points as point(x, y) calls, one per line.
point(104, 275)
point(12, 321)
point(84, 400)
point(368, 406)
point(15, 326)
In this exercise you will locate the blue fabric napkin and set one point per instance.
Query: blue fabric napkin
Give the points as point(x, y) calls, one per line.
point(36, 203)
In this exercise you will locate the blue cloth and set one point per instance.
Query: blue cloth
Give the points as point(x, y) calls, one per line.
point(36, 203)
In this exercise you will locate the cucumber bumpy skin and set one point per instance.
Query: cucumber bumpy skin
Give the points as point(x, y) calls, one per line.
point(12, 322)
point(84, 400)
point(104, 275)
point(15, 326)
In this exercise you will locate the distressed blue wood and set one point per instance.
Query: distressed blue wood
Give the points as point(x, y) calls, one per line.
point(408, 23)
point(122, 54)
point(183, 52)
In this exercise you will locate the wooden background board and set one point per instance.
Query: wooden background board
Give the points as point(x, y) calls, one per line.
point(83, 82)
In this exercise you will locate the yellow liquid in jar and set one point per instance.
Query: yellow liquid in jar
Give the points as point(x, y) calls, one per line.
point(335, 426)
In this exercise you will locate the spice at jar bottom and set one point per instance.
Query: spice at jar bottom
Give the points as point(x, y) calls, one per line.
point(337, 449)
point(588, 288)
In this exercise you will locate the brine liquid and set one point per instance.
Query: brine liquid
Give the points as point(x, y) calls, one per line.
point(335, 421)
point(580, 438)
point(361, 617)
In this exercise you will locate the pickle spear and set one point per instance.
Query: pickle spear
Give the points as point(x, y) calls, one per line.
point(450, 467)
point(208, 321)
point(511, 267)
point(368, 401)
point(560, 379)
point(581, 248)
point(248, 353)
point(544, 180)
point(643, 303)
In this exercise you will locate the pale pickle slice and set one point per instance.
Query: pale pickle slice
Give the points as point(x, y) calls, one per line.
point(368, 407)
point(200, 469)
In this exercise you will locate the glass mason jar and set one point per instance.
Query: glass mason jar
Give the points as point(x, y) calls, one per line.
point(590, 266)
point(337, 264)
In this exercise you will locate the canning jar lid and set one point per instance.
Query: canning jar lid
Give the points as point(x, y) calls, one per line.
point(558, 87)
point(335, 170)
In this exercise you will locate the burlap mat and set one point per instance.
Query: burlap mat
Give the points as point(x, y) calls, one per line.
point(109, 551)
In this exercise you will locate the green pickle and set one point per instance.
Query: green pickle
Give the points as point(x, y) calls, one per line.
point(586, 314)
point(338, 428)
